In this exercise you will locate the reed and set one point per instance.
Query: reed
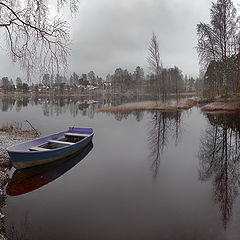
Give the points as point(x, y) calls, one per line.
point(16, 128)
point(184, 104)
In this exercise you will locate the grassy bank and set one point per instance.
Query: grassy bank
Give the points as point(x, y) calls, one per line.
point(171, 105)
point(231, 104)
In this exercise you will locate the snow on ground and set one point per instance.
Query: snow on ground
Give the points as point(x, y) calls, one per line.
point(9, 137)
point(222, 106)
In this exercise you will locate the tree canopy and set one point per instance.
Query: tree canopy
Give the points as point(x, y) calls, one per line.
point(33, 38)
point(218, 42)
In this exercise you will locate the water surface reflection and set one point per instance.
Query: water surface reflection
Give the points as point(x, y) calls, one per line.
point(27, 180)
point(219, 158)
point(163, 127)
point(115, 195)
point(54, 106)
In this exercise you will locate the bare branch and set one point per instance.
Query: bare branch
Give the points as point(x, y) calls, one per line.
point(36, 41)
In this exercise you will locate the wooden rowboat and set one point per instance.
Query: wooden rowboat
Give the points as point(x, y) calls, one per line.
point(30, 179)
point(50, 148)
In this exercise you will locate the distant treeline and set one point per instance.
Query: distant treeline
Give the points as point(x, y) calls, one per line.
point(121, 82)
point(138, 84)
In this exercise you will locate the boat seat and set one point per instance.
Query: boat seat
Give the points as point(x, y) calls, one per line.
point(61, 142)
point(38, 149)
point(76, 134)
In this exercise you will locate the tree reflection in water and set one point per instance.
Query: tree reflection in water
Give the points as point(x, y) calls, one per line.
point(219, 157)
point(54, 105)
point(163, 127)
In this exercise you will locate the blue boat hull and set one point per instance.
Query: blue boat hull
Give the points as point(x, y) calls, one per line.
point(25, 158)
point(27, 180)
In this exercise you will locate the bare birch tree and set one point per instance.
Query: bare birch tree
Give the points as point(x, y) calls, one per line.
point(219, 40)
point(33, 39)
point(154, 61)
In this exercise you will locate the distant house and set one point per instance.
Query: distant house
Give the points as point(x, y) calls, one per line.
point(83, 82)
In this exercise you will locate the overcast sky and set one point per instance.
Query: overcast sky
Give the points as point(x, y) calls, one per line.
point(108, 34)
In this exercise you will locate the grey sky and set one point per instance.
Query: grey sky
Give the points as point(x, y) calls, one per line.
point(108, 34)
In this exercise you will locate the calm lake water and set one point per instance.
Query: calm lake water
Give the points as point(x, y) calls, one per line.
point(148, 175)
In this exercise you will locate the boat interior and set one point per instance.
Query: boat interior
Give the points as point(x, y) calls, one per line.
point(69, 138)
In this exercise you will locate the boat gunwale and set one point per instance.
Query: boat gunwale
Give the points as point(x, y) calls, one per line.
point(11, 148)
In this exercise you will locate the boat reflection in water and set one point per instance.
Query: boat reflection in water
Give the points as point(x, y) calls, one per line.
point(27, 180)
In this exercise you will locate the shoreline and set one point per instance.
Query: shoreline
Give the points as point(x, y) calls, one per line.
point(171, 105)
point(11, 135)
point(65, 94)
point(223, 105)
point(229, 105)
point(191, 99)
point(42, 95)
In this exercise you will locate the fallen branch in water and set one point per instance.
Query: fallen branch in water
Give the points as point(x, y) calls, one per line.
point(16, 130)
point(37, 132)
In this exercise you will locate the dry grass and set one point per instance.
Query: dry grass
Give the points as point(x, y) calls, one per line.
point(130, 107)
point(173, 105)
point(17, 130)
point(221, 104)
